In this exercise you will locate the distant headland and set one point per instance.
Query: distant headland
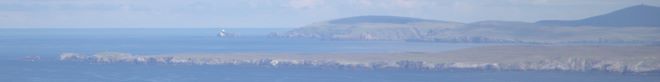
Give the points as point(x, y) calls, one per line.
point(635, 24)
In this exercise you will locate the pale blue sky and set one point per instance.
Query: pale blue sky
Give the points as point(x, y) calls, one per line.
point(283, 13)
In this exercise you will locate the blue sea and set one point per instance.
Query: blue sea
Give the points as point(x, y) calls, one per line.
point(47, 43)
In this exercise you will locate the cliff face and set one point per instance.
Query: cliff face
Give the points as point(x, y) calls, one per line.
point(368, 31)
point(637, 24)
point(552, 58)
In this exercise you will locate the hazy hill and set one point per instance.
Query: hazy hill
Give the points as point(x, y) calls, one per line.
point(637, 16)
point(637, 24)
point(370, 28)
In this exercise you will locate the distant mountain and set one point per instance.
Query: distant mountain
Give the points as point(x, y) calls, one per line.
point(370, 28)
point(635, 16)
point(638, 24)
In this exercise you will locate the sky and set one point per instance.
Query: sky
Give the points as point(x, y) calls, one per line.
point(283, 13)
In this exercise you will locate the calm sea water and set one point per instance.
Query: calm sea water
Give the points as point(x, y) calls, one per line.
point(49, 43)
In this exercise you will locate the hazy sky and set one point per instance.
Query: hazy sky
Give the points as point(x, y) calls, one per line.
point(283, 13)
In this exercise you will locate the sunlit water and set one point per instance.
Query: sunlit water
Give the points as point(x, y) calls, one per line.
point(16, 44)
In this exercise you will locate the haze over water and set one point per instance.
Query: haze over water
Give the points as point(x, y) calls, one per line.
point(330, 41)
point(48, 43)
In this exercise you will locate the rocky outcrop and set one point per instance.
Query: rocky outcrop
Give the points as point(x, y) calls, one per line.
point(617, 59)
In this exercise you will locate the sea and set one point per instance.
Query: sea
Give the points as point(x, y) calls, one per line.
point(31, 55)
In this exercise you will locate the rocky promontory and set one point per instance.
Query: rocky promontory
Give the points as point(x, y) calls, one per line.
point(635, 59)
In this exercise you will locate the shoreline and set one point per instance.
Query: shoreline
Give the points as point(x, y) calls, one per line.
point(637, 59)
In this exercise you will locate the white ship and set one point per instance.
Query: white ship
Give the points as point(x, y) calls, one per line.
point(224, 34)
